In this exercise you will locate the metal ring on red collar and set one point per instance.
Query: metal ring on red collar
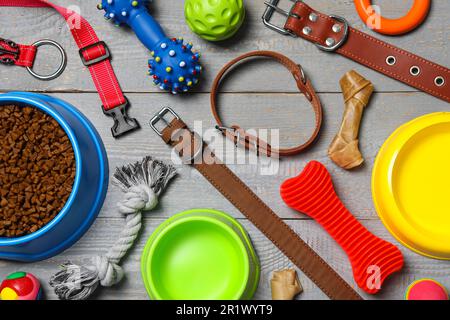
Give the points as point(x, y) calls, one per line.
point(61, 67)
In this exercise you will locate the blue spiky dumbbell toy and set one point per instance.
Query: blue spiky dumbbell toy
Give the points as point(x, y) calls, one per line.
point(174, 66)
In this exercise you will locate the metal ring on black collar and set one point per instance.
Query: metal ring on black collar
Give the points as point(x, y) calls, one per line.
point(61, 67)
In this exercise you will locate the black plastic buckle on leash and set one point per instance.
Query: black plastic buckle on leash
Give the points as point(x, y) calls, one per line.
point(122, 122)
point(14, 51)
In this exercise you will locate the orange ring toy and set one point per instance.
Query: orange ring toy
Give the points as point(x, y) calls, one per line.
point(412, 20)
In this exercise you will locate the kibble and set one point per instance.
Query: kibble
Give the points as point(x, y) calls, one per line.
point(37, 170)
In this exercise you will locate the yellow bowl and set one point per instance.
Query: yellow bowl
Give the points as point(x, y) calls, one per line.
point(411, 185)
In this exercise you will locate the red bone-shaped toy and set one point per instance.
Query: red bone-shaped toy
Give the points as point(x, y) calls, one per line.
point(312, 193)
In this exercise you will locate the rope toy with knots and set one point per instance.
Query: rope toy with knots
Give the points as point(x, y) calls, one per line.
point(142, 183)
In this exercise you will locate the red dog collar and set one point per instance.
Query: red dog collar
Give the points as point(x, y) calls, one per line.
point(95, 55)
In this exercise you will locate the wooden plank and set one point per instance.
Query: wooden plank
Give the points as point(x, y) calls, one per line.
point(100, 237)
point(130, 57)
point(275, 107)
point(287, 112)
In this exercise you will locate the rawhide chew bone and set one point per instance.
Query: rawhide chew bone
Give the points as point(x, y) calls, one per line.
point(344, 149)
point(285, 285)
point(174, 65)
point(20, 286)
point(372, 258)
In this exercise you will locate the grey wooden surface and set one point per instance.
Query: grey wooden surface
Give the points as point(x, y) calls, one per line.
point(261, 88)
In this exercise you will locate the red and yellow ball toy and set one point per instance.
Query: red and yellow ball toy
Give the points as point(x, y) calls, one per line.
point(20, 286)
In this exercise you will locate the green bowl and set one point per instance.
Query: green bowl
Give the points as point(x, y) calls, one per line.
point(200, 254)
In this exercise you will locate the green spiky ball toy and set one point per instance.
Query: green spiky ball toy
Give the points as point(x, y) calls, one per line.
point(214, 20)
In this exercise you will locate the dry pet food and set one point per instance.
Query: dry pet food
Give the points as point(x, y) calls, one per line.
point(37, 170)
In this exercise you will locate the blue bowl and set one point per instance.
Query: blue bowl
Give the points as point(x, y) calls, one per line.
point(89, 188)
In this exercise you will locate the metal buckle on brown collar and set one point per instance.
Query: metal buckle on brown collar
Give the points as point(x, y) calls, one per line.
point(4, 51)
point(160, 117)
point(272, 7)
point(195, 149)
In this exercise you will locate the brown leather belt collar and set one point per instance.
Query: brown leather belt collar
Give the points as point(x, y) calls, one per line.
point(248, 141)
point(333, 33)
point(192, 150)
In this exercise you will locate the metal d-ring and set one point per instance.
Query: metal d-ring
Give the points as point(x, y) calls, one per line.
point(334, 46)
point(62, 66)
point(160, 117)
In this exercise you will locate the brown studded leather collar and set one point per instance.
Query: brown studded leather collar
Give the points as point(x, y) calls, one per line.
point(250, 142)
point(334, 34)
